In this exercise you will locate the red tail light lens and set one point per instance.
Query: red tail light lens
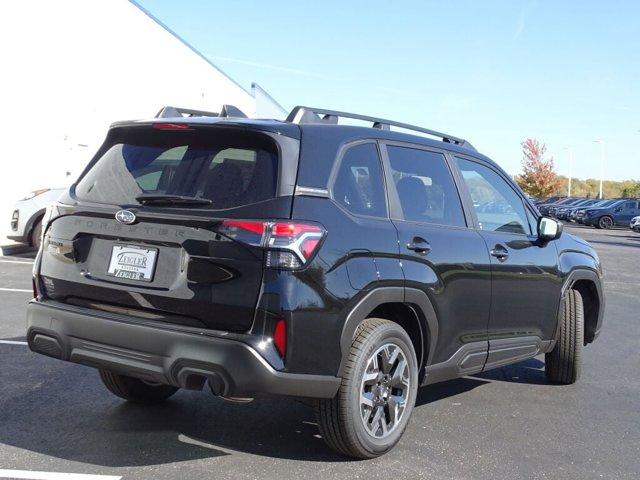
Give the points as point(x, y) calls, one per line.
point(171, 126)
point(289, 244)
point(280, 337)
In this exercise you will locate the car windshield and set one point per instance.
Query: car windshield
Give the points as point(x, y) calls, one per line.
point(215, 168)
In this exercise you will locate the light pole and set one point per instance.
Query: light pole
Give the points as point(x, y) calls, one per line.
point(568, 149)
point(601, 142)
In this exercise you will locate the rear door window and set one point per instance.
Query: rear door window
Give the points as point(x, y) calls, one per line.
point(425, 186)
point(230, 168)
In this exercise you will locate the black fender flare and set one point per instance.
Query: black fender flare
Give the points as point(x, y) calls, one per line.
point(570, 280)
point(417, 299)
point(28, 228)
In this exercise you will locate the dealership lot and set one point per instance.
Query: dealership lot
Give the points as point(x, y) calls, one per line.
point(507, 423)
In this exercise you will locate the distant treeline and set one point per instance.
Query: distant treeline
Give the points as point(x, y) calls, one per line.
point(591, 187)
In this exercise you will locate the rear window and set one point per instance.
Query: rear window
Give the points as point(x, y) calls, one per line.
point(230, 168)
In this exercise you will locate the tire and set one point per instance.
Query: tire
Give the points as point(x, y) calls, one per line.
point(341, 420)
point(36, 234)
point(134, 389)
point(605, 222)
point(563, 364)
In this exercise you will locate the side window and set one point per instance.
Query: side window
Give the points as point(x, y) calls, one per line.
point(425, 186)
point(498, 207)
point(359, 186)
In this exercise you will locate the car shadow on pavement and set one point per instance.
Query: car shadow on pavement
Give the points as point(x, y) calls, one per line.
point(62, 410)
point(440, 391)
point(529, 371)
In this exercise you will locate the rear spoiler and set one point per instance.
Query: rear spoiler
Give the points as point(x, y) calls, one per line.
point(173, 112)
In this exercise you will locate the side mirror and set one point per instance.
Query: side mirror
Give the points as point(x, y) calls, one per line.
point(549, 229)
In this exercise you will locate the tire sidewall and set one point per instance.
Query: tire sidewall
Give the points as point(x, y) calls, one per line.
point(388, 334)
point(603, 225)
point(36, 233)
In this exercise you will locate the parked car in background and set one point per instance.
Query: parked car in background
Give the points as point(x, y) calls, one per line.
point(544, 207)
point(27, 215)
point(563, 213)
point(578, 214)
point(619, 213)
point(553, 209)
point(635, 224)
point(548, 200)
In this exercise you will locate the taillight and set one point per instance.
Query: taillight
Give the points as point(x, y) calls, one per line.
point(289, 245)
point(280, 337)
point(171, 126)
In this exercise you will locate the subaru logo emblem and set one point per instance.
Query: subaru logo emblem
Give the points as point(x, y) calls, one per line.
point(125, 216)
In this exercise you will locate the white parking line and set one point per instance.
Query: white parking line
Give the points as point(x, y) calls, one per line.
point(15, 290)
point(16, 261)
point(54, 475)
point(13, 342)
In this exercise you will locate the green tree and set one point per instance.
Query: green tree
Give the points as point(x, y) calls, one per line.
point(538, 177)
point(631, 191)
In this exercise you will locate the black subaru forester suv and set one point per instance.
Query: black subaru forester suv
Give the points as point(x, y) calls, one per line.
point(346, 264)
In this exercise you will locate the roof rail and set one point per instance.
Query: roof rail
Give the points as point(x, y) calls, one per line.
point(227, 111)
point(302, 115)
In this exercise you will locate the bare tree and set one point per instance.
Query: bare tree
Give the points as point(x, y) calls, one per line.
point(538, 177)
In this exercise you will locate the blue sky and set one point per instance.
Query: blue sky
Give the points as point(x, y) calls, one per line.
point(493, 72)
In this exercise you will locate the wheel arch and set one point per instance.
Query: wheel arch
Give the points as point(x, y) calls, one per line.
point(31, 223)
point(588, 283)
point(408, 307)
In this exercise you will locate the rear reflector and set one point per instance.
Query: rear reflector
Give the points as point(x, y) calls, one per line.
point(280, 337)
point(289, 245)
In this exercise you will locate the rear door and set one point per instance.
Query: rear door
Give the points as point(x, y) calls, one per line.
point(184, 261)
point(440, 254)
point(625, 212)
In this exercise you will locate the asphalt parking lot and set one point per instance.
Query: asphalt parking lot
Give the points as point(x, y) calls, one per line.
point(507, 423)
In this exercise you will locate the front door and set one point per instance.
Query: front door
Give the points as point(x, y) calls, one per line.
point(526, 285)
point(441, 256)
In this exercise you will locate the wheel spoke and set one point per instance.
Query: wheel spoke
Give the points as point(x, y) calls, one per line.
point(384, 359)
point(366, 398)
point(370, 377)
point(396, 407)
point(398, 379)
point(383, 423)
point(375, 421)
point(392, 360)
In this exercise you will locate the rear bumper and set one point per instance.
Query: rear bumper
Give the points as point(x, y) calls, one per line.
point(18, 238)
point(163, 355)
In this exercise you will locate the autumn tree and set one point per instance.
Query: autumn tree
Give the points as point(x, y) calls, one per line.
point(538, 177)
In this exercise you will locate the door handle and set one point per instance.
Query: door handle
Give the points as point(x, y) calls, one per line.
point(419, 245)
point(500, 252)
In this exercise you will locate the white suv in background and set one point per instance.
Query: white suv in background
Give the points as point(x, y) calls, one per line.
point(27, 215)
point(635, 224)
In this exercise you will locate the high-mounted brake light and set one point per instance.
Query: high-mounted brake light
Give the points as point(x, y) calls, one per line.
point(289, 245)
point(171, 126)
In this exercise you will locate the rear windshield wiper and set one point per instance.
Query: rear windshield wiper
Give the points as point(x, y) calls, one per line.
point(162, 199)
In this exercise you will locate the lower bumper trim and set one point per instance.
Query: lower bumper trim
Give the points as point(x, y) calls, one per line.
point(186, 360)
